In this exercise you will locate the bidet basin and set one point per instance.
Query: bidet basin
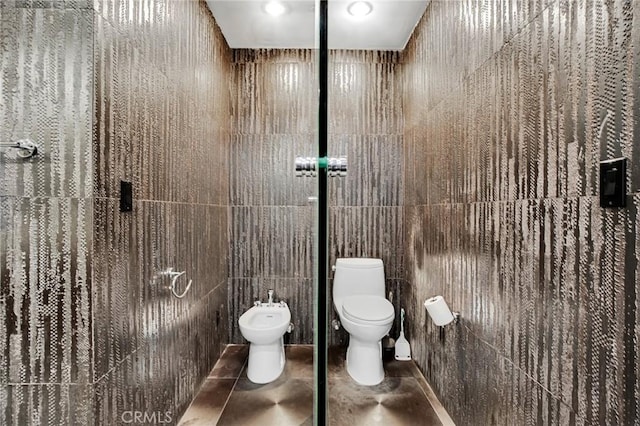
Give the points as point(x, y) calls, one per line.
point(264, 326)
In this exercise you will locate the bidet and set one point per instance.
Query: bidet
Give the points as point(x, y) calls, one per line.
point(264, 325)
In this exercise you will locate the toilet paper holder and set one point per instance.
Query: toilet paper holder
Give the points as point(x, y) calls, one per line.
point(439, 311)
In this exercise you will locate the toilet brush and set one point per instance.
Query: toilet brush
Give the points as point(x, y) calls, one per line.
point(403, 350)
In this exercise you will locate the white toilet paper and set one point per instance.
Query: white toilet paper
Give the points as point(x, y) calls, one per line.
point(438, 310)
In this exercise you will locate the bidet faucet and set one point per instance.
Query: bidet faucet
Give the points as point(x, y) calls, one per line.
point(270, 293)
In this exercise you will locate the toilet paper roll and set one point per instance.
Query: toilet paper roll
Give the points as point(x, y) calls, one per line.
point(438, 310)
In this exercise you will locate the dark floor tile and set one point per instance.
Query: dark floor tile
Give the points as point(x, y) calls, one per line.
point(395, 368)
point(442, 413)
point(401, 399)
point(396, 401)
point(283, 402)
point(336, 366)
point(230, 364)
point(206, 408)
point(299, 361)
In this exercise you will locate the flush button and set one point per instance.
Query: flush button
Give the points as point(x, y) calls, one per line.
point(613, 183)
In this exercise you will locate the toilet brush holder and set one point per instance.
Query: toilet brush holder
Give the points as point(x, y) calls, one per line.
point(388, 348)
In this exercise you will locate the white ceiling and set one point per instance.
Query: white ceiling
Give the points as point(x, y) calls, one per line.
point(388, 27)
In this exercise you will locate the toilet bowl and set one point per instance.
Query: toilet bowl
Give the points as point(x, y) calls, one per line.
point(358, 297)
point(264, 326)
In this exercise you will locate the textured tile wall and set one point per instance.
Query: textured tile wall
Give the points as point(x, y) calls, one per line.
point(275, 119)
point(162, 105)
point(46, 72)
point(163, 375)
point(509, 107)
point(160, 120)
point(271, 229)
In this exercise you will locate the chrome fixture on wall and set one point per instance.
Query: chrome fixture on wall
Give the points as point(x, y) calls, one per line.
point(308, 166)
point(174, 278)
point(26, 148)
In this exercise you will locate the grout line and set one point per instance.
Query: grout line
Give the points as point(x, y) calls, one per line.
point(152, 201)
point(204, 382)
point(116, 365)
point(437, 406)
point(500, 353)
point(234, 385)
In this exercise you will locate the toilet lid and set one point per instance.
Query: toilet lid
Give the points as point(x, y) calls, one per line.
point(367, 309)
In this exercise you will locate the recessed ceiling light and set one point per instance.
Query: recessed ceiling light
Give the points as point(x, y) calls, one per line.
point(275, 8)
point(360, 8)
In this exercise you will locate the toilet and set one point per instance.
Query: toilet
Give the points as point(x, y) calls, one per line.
point(358, 298)
point(264, 325)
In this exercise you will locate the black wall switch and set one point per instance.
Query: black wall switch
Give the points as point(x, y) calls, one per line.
point(613, 183)
point(126, 196)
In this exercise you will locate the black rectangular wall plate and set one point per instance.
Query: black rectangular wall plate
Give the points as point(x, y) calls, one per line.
point(126, 196)
point(613, 183)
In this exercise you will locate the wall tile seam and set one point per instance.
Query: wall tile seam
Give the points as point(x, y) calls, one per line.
point(288, 134)
point(332, 135)
point(399, 135)
point(151, 201)
point(269, 277)
point(193, 312)
point(46, 383)
point(313, 62)
point(469, 75)
point(271, 63)
point(59, 6)
point(43, 198)
point(499, 353)
point(68, 385)
point(289, 278)
point(366, 207)
point(521, 200)
point(508, 42)
point(331, 63)
point(200, 302)
point(268, 206)
point(202, 298)
point(97, 15)
point(105, 375)
point(305, 206)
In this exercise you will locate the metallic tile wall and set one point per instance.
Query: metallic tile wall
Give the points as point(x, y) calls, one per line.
point(509, 107)
point(162, 105)
point(46, 73)
point(271, 225)
point(275, 119)
point(111, 90)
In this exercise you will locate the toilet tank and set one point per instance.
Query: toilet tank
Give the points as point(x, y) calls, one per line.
point(358, 276)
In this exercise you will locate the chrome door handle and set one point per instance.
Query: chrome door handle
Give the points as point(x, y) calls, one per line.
point(308, 166)
point(337, 166)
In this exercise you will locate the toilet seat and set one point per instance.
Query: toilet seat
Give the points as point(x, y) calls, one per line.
point(373, 310)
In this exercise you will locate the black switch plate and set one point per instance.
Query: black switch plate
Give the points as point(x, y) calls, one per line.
point(613, 183)
point(126, 196)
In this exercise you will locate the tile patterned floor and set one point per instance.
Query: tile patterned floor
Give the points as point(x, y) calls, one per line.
point(227, 397)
